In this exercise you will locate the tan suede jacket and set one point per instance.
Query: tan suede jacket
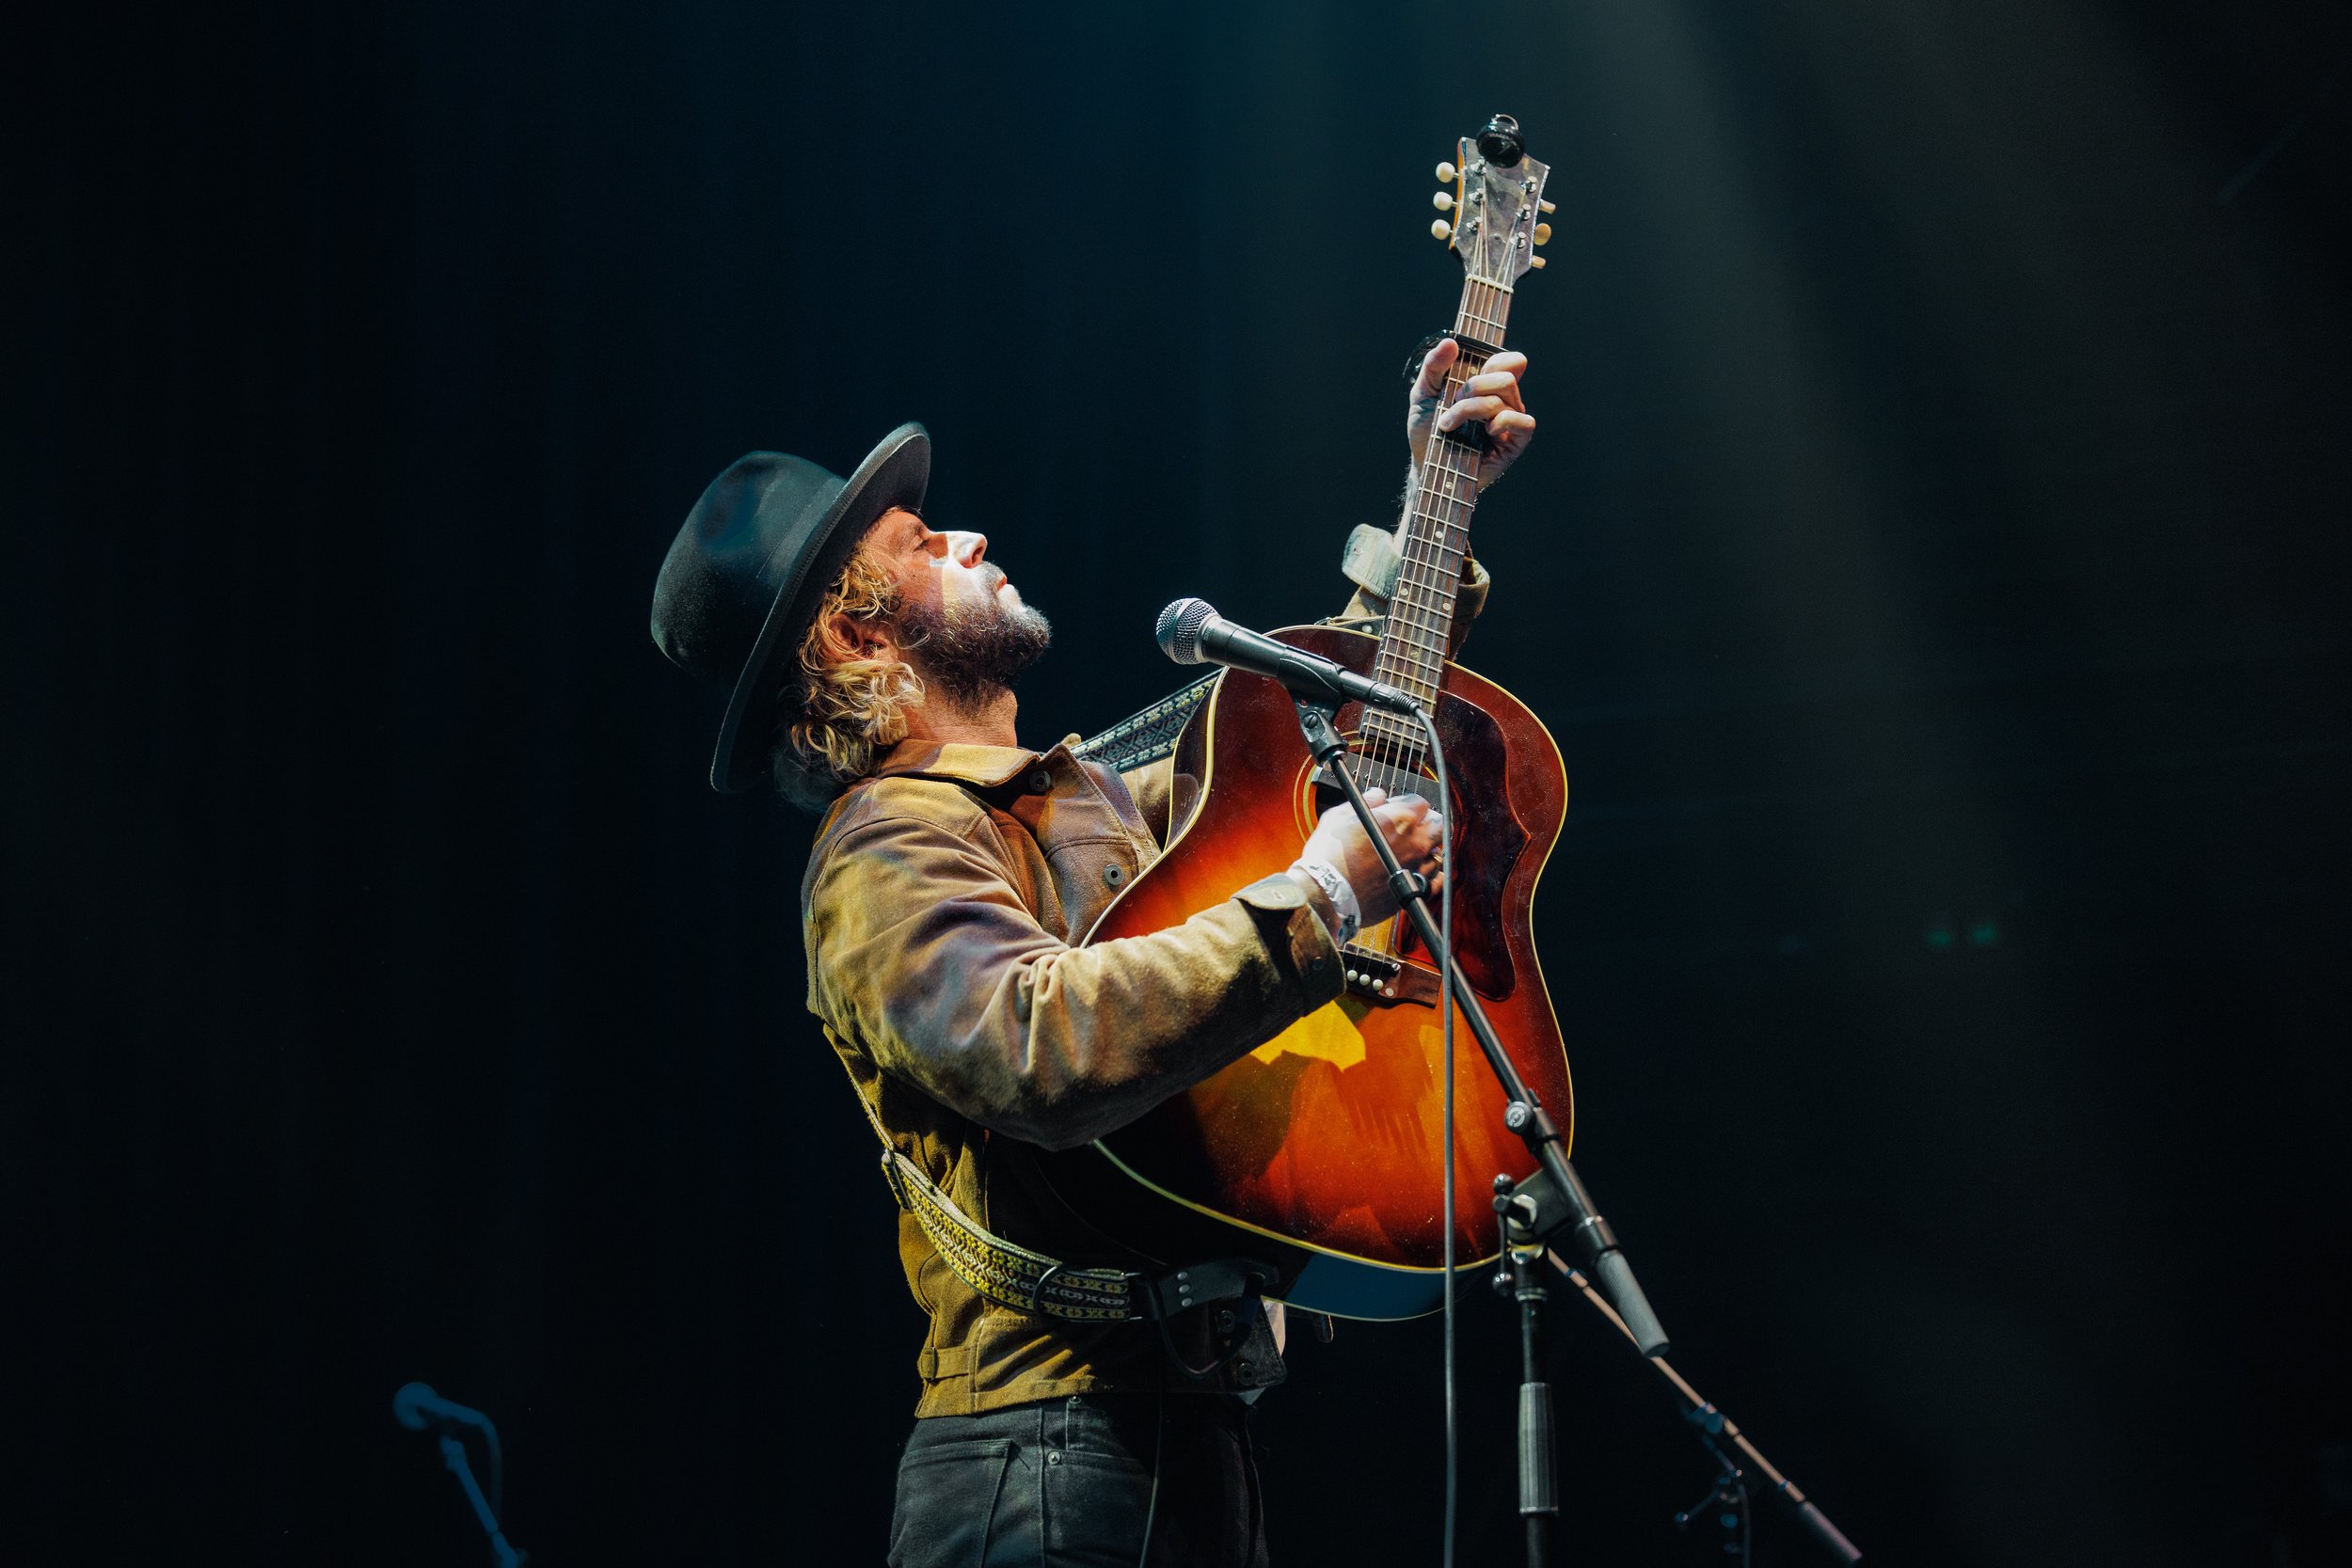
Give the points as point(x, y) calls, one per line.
point(941, 905)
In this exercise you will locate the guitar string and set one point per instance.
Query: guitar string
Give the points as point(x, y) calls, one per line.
point(1423, 617)
point(1426, 605)
point(1435, 551)
point(1406, 608)
point(1481, 306)
point(1424, 564)
point(1407, 616)
point(1390, 747)
point(1443, 555)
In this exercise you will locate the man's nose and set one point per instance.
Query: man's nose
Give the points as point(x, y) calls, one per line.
point(967, 548)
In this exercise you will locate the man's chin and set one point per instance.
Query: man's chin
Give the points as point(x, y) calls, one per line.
point(973, 656)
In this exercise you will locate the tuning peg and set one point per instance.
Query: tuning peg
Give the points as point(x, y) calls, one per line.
point(1443, 202)
point(1534, 260)
point(1441, 230)
point(1447, 173)
point(1543, 233)
point(1543, 206)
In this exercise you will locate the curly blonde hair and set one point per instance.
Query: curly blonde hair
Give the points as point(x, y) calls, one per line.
point(843, 707)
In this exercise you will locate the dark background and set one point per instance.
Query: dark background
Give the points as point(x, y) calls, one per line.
point(1932, 566)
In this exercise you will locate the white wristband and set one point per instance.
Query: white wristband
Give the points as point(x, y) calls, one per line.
point(1344, 905)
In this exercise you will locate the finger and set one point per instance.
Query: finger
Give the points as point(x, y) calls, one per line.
point(1504, 386)
point(1510, 361)
point(1433, 368)
point(1457, 414)
point(1511, 422)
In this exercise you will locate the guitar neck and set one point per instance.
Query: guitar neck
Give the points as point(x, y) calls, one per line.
point(1420, 626)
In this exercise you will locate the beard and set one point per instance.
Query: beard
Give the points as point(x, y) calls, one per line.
point(972, 652)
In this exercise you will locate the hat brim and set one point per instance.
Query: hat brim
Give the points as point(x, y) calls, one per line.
point(896, 473)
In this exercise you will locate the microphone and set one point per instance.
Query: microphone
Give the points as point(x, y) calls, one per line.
point(1192, 632)
point(419, 1408)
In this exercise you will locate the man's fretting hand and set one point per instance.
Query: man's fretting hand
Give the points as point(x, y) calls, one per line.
point(1491, 397)
point(1412, 829)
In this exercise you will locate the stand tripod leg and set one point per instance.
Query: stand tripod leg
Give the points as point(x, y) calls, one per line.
point(1712, 1423)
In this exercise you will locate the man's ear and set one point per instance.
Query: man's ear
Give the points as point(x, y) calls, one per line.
point(865, 639)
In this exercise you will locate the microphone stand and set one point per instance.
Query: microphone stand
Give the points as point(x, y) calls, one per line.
point(417, 1408)
point(1549, 1203)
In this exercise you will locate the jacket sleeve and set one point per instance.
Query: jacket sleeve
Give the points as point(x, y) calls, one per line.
point(922, 953)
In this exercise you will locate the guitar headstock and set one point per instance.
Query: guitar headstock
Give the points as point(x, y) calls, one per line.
point(1498, 192)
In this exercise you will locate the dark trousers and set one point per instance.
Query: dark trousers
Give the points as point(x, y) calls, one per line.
point(1066, 1484)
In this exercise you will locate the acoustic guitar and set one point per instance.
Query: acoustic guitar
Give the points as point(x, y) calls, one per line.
point(1319, 1154)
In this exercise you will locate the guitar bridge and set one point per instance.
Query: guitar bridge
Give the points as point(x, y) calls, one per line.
point(1384, 977)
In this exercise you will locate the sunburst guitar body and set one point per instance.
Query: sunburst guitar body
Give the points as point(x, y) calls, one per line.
point(1320, 1153)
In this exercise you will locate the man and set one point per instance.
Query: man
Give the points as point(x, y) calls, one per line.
point(872, 658)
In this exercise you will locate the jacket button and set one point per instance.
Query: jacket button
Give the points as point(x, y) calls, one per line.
point(1041, 781)
point(1113, 876)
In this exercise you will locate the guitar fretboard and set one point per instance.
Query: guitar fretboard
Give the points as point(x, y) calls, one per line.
point(1420, 626)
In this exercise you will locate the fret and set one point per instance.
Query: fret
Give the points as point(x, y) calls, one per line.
point(1423, 684)
point(1395, 736)
point(1423, 633)
point(1442, 565)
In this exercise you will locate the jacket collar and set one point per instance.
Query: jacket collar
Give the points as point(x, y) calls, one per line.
point(987, 767)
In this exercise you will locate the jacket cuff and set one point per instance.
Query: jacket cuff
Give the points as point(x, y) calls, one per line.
point(1295, 933)
point(1371, 561)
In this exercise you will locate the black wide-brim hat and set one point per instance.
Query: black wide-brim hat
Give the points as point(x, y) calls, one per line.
point(745, 574)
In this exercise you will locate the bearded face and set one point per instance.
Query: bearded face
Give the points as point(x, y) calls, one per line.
point(972, 649)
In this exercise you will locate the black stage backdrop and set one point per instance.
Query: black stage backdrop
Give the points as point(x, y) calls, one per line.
point(1932, 565)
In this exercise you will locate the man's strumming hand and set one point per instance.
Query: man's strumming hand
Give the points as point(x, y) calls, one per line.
point(1412, 829)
